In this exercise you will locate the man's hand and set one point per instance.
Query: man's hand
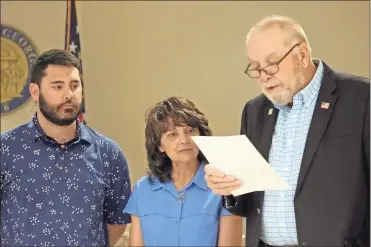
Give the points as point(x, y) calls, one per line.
point(219, 182)
point(115, 232)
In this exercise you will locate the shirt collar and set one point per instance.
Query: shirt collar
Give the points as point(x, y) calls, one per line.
point(37, 132)
point(198, 179)
point(308, 94)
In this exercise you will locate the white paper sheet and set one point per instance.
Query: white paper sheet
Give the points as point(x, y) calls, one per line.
point(237, 156)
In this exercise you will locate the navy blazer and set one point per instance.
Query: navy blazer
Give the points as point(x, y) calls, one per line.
point(332, 199)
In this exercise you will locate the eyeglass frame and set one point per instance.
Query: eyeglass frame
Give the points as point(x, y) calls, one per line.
point(276, 64)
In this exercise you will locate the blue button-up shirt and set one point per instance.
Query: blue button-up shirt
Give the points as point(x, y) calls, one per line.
point(189, 217)
point(59, 195)
point(288, 142)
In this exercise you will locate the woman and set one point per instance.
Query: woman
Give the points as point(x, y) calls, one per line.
point(173, 206)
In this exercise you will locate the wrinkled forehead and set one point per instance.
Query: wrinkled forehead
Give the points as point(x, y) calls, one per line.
point(265, 45)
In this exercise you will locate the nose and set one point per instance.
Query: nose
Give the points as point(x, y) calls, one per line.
point(184, 137)
point(264, 77)
point(68, 95)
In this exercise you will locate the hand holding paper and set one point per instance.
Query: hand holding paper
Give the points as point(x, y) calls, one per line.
point(236, 155)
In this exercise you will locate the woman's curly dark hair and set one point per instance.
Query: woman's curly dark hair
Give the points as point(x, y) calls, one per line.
point(181, 111)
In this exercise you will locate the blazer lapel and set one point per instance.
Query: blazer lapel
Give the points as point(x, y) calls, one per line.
point(322, 113)
point(270, 115)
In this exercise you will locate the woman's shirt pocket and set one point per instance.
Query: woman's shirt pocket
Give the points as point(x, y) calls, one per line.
point(159, 224)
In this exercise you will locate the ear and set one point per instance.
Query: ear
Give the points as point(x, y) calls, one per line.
point(161, 149)
point(34, 91)
point(304, 55)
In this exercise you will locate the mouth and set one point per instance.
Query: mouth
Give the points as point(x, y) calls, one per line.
point(271, 88)
point(67, 106)
point(185, 150)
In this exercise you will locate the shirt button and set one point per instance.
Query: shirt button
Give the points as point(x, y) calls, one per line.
point(181, 197)
point(62, 146)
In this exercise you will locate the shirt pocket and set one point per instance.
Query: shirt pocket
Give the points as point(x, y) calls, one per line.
point(204, 213)
point(157, 224)
point(207, 217)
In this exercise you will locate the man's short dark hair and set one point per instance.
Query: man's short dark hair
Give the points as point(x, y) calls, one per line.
point(52, 57)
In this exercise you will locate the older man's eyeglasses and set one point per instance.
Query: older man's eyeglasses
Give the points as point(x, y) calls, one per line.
point(269, 69)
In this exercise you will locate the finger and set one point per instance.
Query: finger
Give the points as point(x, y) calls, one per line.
point(228, 185)
point(212, 171)
point(223, 186)
point(228, 191)
point(225, 179)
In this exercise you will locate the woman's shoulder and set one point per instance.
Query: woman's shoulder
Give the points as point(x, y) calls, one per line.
point(145, 184)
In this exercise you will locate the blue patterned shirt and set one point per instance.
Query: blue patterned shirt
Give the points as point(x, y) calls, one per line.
point(288, 142)
point(60, 195)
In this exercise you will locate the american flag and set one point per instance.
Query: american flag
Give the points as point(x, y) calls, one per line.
point(72, 39)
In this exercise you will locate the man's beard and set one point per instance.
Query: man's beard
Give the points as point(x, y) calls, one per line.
point(283, 98)
point(287, 94)
point(51, 112)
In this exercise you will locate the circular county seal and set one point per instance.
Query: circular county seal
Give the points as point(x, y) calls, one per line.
point(17, 54)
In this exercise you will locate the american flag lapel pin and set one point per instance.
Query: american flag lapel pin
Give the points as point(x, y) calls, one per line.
point(325, 105)
point(270, 111)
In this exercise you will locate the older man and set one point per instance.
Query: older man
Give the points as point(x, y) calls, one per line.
point(312, 124)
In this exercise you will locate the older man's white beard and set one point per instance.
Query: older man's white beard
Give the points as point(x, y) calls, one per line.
point(282, 98)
